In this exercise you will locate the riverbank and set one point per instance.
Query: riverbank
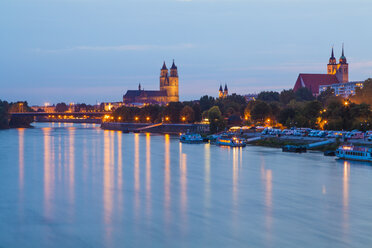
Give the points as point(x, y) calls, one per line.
point(278, 142)
point(155, 127)
point(88, 121)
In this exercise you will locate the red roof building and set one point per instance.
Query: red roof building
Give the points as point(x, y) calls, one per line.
point(336, 73)
point(313, 81)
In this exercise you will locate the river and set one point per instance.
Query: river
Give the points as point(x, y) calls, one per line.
point(75, 185)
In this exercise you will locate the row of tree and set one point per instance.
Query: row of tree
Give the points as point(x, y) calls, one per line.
point(286, 108)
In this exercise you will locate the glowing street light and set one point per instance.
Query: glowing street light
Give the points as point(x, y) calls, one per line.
point(183, 118)
point(167, 118)
point(136, 118)
point(147, 118)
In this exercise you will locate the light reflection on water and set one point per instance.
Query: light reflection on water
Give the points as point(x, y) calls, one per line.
point(70, 185)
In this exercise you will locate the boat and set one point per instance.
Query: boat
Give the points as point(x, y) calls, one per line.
point(230, 141)
point(351, 152)
point(191, 138)
point(293, 148)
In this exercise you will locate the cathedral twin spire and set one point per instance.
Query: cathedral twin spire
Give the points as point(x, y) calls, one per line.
point(332, 59)
point(223, 93)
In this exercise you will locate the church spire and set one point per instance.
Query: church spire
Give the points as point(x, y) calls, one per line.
point(164, 66)
point(332, 59)
point(343, 58)
point(174, 66)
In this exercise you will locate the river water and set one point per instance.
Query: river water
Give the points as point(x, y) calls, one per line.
point(69, 185)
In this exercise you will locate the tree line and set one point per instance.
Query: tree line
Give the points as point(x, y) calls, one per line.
point(6, 121)
point(286, 108)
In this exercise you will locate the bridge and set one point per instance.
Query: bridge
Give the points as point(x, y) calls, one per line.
point(59, 114)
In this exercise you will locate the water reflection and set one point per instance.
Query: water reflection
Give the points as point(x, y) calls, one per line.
point(267, 177)
point(167, 177)
point(21, 163)
point(48, 174)
point(120, 172)
point(148, 174)
point(71, 165)
point(175, 194)
point(207, 176)
point(235, 174)
point(107, 186)
point(183, 184)
point(136, 174)
point(345, 196)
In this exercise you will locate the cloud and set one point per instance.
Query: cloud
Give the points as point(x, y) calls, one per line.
point(119, 48)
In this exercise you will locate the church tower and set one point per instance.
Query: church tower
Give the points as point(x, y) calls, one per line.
point(332, 65)
point(170, 83)
point(343, 70)
point(164, 80)
point(225, 92)
point(220, 92)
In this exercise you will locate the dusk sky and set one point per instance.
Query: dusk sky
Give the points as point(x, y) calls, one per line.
point(94, 50)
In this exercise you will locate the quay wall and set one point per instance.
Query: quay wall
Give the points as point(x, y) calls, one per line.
point(96, 121)
point(123, 126)
point(161, 128)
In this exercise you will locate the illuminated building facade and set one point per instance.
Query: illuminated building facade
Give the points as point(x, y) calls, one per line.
point(168, 92)
point(337, 77)
point(343, 89)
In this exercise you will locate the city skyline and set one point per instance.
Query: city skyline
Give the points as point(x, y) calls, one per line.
point(103, 49)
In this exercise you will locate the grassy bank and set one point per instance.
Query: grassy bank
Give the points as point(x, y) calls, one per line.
point(278, 143)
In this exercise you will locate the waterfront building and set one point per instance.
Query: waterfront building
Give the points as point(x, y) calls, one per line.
point(343, 89)
point(337, 75)
point(109, 106)
point(168, 90)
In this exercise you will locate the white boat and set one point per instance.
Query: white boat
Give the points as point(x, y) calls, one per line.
point(230, 141)
point(191, 138)
point(351, 152)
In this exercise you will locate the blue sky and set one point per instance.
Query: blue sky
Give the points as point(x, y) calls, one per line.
point(94, 50)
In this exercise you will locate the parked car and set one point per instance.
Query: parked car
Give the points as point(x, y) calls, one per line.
point(321, 134)
point(355, 135)
point(313, 133)
point(368, 133)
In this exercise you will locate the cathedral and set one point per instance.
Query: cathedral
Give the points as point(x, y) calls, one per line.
point(337, 73)
point(223, 93)
point(168, 91)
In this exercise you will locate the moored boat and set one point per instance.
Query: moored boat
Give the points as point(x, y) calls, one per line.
point(191, 138)
point(230, 141)
point(351, 152)
point(293, 148)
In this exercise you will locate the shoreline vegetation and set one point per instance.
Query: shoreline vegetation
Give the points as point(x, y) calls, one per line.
point(15, 122)
point(285, 109)
point(288, 108)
